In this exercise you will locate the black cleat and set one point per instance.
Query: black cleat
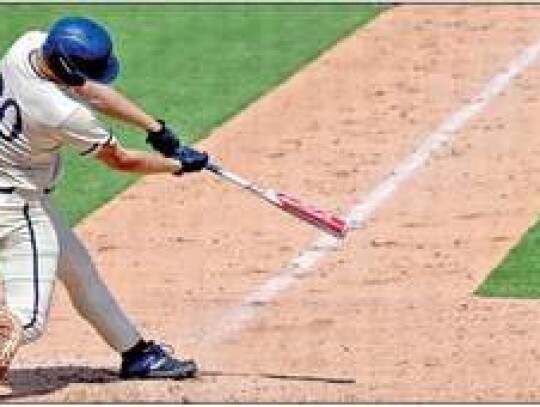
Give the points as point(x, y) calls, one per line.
point(156, 362)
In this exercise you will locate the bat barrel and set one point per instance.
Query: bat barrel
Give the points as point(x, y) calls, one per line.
point(325, 220)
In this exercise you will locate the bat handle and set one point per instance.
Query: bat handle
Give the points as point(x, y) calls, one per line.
point(213, 167)
point(230, 176)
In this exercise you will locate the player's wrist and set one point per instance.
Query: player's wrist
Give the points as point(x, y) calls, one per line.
point(163, 140)
point(192, 160)
point(154, 125)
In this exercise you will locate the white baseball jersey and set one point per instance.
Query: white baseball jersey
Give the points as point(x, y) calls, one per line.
point(37, 117)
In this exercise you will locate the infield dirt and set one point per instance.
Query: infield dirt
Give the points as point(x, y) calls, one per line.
point(393, 308)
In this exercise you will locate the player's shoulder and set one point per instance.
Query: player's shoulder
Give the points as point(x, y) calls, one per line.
point(35, 37)
point(39, 98)
point(50, 105)
point(25, 43)
point(16, 60)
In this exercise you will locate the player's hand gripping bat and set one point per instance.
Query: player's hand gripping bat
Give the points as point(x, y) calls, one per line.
point(324, 220)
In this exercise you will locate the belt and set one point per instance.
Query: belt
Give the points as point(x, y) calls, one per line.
point(10, 190)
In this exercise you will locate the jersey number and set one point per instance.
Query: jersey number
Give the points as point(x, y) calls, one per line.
point(7, 105)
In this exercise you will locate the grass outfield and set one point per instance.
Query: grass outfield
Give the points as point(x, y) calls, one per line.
point(193, 65)
point(518, 275)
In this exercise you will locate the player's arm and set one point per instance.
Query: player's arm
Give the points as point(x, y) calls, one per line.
point(142, 162)
point(112, 103)
point(84, 132)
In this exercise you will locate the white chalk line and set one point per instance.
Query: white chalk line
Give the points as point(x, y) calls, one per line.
point(304, 264)
point(48, 363)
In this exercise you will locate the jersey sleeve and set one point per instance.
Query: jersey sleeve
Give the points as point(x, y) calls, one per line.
point(85, 133)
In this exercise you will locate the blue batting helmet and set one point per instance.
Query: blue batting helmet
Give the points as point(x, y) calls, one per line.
point(77, 49)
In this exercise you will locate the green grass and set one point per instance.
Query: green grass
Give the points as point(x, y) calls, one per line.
point(193, 65)
point(518, 275)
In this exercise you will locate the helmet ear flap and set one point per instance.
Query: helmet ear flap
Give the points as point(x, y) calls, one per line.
point(62, 69)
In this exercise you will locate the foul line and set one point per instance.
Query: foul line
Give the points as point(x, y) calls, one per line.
point(304, 264)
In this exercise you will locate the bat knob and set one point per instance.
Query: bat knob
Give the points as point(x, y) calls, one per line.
point(212, 166)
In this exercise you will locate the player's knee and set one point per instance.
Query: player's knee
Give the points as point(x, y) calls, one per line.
point(32, 333)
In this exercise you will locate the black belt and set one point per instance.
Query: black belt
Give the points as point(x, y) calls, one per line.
point(10, 190)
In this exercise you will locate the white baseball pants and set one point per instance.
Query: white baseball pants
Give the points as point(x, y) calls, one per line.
point(36, 248)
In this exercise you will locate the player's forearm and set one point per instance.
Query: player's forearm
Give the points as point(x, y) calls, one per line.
point(148, 163)
point(112, 103)
point(140, 162)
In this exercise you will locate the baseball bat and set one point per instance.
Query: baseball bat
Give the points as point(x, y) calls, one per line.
point(322, 219)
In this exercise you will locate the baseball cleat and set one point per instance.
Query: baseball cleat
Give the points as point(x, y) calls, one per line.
point(10, 339)
point(157, 362)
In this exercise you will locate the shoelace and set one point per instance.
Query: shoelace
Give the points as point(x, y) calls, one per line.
point(165, 348)
point(168, 349)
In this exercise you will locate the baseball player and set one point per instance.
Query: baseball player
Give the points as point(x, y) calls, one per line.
point(50, 85)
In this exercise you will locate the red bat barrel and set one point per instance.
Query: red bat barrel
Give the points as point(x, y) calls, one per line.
point(322, 219)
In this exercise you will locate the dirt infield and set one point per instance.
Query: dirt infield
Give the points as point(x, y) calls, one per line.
point(393, 308)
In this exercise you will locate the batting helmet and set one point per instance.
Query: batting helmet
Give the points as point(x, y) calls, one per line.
point(77, 49)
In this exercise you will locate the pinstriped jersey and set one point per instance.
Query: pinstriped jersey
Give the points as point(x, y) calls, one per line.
point(37, 118)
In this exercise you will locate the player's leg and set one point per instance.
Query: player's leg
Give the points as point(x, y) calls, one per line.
point(28, 258)
point(94, 302)
point(87, 292)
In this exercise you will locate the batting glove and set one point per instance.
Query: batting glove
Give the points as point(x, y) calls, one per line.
point(164, 140)
point(191, 159)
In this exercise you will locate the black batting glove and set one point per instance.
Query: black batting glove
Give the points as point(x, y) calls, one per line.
point(191, 159)
point(164, 140)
